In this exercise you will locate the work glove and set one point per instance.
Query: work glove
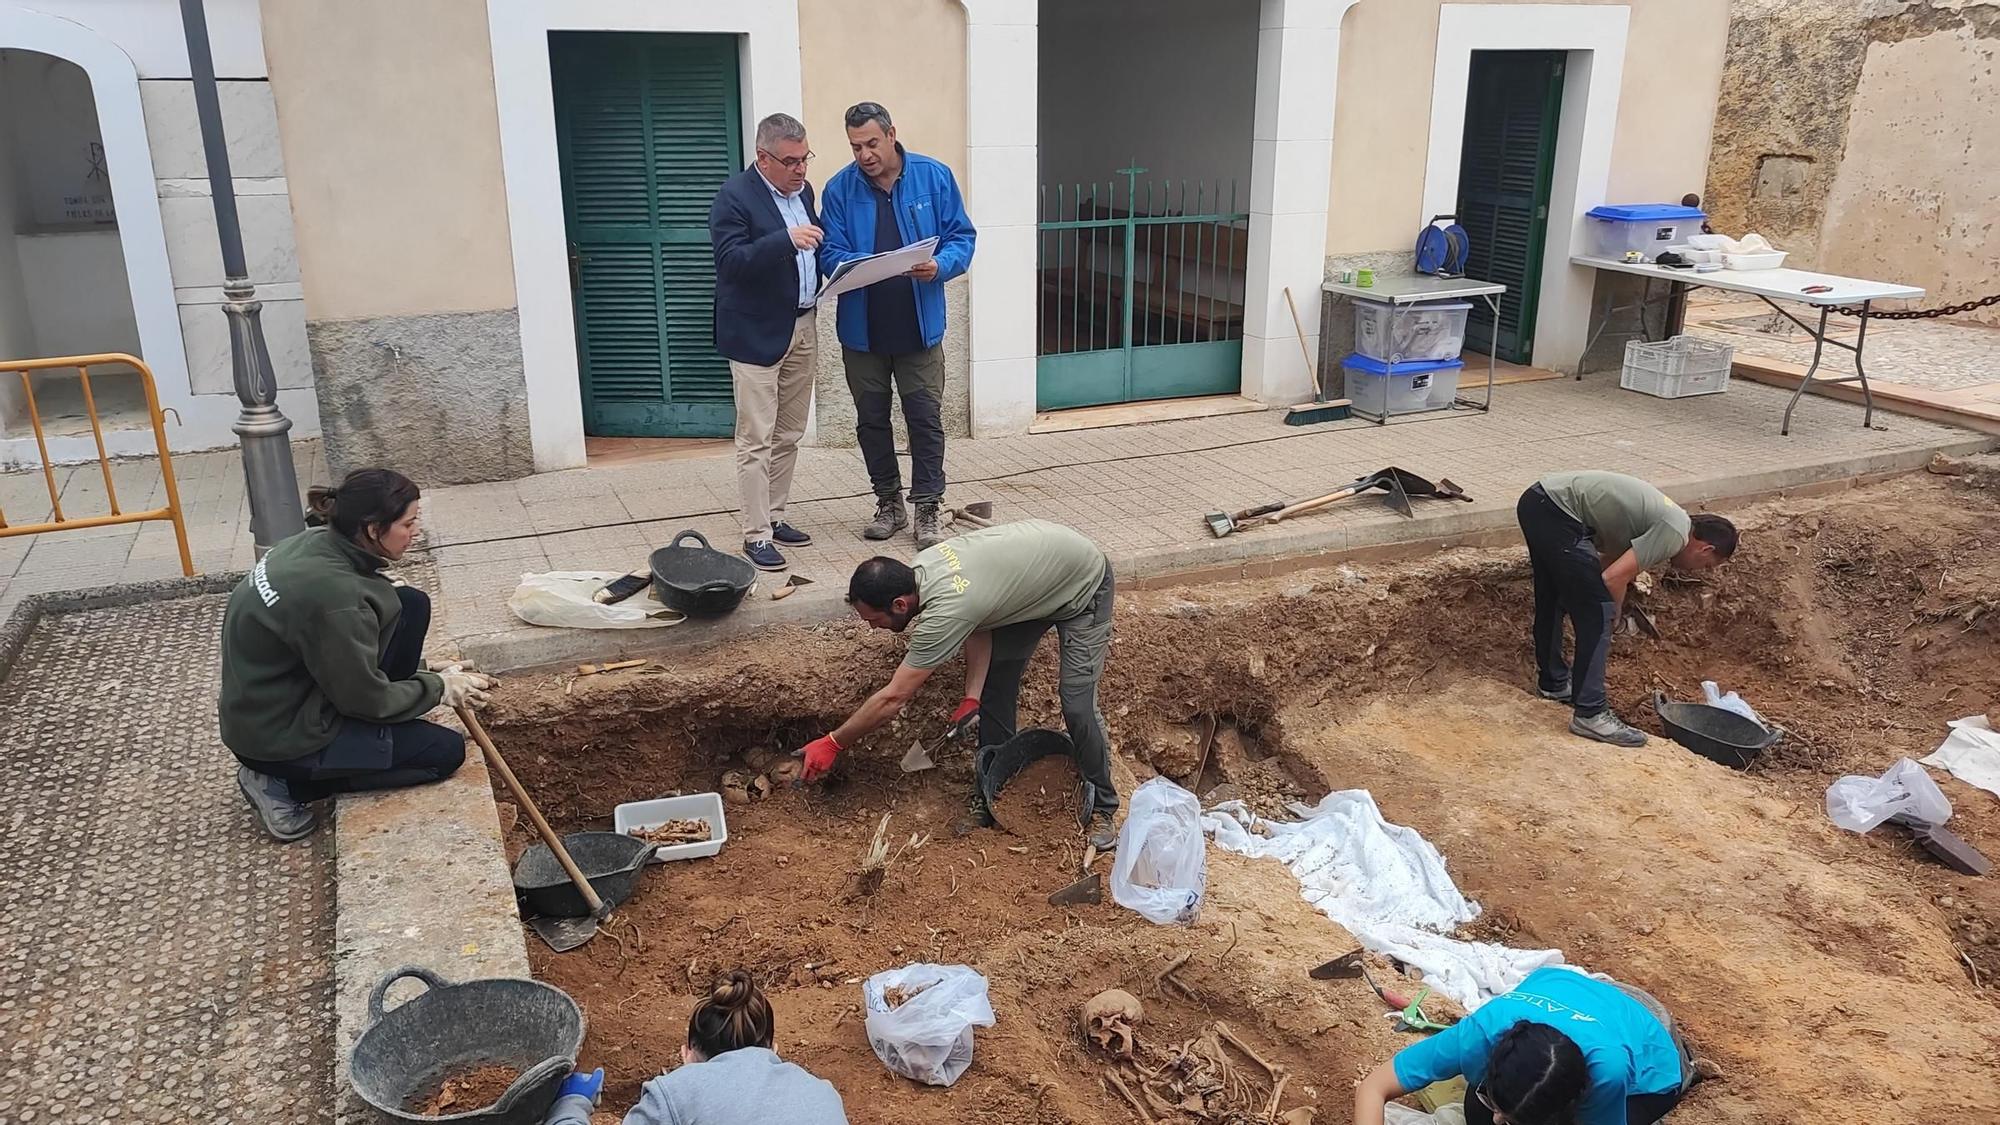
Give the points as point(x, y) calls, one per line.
point(819, 755)
point(584, 1085)
point(462, 689)
point(965, 719)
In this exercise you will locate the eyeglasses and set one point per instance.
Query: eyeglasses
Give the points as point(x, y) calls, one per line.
point(792, 162)
point(1486, 1100)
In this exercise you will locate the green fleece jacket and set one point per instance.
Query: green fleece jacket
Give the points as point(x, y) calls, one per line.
point(302, 645)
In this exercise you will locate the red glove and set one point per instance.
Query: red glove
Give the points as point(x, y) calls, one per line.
point(966, 717)
point(819, 755)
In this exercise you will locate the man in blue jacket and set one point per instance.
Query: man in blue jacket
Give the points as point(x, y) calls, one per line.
point(891, 332)
point(766, 242)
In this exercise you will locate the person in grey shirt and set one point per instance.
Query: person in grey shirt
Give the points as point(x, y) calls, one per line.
point(728, 1075)
point(1589, 535)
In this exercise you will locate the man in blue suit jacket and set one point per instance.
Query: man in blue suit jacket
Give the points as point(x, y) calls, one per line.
point(766, 237)
point(891, 332)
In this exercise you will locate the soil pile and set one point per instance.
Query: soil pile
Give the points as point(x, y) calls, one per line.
point(462, 1091)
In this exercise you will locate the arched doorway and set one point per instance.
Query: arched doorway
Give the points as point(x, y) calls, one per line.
point(63, 285)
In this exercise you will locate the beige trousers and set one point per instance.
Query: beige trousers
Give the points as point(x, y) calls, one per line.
point(771, 405)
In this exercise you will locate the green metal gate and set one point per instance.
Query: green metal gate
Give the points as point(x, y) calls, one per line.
point(1513, 99)
point(647, 128)
point(1141, 292)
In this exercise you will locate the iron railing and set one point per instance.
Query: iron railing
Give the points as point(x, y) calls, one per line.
point(29, 369)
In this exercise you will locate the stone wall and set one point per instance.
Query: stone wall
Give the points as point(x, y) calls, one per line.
point(1863, 136)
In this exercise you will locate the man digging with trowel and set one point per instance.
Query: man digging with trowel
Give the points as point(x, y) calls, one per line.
point(1589, 534)
point(993, 593)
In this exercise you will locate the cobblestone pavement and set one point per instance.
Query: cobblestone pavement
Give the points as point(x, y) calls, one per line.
point(160, 959)
point(1939, 355)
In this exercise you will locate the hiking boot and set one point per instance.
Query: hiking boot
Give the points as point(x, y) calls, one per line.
point(284, 818)
point(1559, 695)
point(890, 517)
point(764, 555)
point(1607, 727)
point(974, 817)
point(928, 534)
point(788, 535)
point(1103, 830)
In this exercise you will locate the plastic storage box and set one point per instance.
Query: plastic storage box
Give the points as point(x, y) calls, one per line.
point(652, 814)
point(1426, 330)
point(1648, 228)
point(1380, 389)
point(1678, 368)
point(1757, 260)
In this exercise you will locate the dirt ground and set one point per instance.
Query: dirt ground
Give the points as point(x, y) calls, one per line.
point(1828, 976)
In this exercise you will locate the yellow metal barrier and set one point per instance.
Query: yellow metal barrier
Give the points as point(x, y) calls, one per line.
point(29, 368)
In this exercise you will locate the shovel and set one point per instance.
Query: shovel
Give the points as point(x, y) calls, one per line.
point(1088, 890)
point(979, 513)
point(562, 934)
point(1400, 484)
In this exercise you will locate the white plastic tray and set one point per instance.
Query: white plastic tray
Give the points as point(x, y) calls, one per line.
point(695, 806)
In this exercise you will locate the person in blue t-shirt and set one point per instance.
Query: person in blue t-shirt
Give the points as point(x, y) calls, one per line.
point(1561, 1049)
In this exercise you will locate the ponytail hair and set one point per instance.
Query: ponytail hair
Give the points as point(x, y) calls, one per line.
point(1536, 1075)
point(369, 500)
point(735, 1014)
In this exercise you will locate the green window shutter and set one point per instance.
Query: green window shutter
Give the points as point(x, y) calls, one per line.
point(1504, 169)
point(648, 127)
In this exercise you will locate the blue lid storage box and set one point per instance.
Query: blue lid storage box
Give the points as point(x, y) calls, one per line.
point(1649, 228)
point(1380, 389)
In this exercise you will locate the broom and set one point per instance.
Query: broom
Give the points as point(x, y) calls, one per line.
point(1319, 409)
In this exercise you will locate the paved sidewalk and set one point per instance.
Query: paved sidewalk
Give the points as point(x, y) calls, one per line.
point(1140, 492)
point(161, 960)
point(213, 503)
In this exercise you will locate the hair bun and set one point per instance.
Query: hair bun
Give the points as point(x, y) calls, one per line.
point(734, 989)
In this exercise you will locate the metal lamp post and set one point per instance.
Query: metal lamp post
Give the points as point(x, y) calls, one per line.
point(268, 472)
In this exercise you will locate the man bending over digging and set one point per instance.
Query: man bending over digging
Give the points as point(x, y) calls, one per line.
point(1589, 534)
point(993, 593)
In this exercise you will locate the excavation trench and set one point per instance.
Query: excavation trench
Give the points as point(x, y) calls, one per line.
point(1821, 972)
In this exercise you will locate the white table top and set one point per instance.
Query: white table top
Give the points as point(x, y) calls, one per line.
point(1410, 289)
point(1778, 284)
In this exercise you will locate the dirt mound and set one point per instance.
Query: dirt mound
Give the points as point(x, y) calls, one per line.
point(1823, 971)
point(463, 1091)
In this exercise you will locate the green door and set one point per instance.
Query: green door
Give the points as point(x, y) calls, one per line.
point(1511, 108)
point(647, 127)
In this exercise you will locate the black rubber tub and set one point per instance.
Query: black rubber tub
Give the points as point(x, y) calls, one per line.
point(406, 1050)
point(698, 580)
point(611, 861)
point(1718, 734)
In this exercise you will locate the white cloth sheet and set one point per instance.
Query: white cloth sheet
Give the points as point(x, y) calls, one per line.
point(1385, 884)
point(1971, 753)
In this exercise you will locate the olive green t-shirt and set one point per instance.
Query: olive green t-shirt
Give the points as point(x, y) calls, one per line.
point(1622, 513)
point(1032, 570)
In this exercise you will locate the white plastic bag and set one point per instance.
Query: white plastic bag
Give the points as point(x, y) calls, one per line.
point(1162, 865)
point(1713, 694)
point(928, 1037)
point(562, 598)
point(1858, 804)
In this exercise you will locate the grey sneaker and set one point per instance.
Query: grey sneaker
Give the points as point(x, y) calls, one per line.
point(1606, 726)
point(928, 534)
point(1103, 832)
point(1560, 695)
point(890, 517)
point(285, 819)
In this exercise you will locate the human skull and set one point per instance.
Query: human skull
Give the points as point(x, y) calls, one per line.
point(1109, 1019)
